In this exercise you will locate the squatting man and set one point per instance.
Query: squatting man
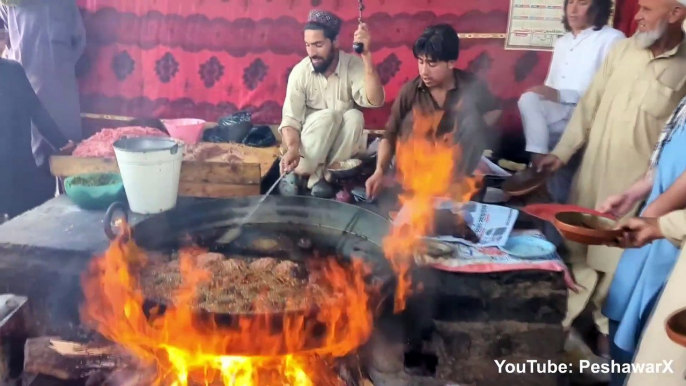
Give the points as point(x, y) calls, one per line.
point(320, 123)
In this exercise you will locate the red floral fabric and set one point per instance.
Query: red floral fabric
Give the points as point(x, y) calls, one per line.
point(206, 59)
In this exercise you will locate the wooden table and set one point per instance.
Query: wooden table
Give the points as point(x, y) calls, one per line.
point(210, 177)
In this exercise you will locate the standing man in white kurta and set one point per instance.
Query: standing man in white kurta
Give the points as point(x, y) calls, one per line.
point(546, 109)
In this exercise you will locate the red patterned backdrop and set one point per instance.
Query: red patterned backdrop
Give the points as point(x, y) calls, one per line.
point(209, 58)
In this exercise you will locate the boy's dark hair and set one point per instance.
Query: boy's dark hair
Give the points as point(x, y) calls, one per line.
point(438, 43)
point(598, 14)
point(328, 32)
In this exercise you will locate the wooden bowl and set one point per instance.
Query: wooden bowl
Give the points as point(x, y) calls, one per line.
point(675, 324)
point(524, 182)
point(586, 228)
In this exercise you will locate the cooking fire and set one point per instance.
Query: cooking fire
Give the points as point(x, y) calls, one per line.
point(425, 163)
point(208, 318)
point(278, 337)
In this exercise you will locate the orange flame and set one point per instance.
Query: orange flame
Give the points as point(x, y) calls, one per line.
point(425, 165)
point(260, 350)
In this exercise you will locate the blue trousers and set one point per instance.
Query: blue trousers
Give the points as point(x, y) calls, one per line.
point(621, 356)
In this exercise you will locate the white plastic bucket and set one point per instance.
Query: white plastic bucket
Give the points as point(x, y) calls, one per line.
point(150, 168)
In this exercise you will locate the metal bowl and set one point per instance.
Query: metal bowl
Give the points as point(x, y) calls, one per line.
point(345, 169)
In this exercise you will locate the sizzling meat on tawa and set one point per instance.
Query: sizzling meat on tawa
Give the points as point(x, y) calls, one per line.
point(239, 285)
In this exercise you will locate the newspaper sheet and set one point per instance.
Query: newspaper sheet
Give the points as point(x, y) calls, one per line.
point(480, 259)
point(494, 226)
point(486, 167)
point(491, 223)
point(534, 24)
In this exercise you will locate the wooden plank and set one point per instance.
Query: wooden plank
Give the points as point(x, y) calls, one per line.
point(191, 189)
point(41, 358)
point(71, 349)
point(66, 166)
point(219, 172)
point(213, 172)
point(265, 156)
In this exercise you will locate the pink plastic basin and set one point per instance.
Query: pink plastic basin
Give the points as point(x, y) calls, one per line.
point(186, 129)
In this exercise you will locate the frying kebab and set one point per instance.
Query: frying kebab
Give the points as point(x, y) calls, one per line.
point(239, 285)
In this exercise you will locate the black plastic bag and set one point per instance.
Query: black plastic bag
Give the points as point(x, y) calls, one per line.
point(260, 136)
point(241, 117)
point(232, 128)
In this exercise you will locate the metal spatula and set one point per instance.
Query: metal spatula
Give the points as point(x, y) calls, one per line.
point(233, 233)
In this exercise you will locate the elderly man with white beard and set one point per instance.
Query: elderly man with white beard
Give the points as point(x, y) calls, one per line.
point(617, 124)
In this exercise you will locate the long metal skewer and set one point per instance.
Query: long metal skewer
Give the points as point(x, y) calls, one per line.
point(359, 47)
point(233, 233)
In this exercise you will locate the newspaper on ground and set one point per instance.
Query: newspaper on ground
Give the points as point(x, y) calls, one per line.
point(491, 223)
point(494, 225)
point(482, 259)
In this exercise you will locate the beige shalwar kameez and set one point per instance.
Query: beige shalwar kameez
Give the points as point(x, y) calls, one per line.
point(618, 122)
point(323, 111)
point(655, 347)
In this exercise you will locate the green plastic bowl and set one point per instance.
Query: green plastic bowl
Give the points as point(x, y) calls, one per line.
point(95, 197)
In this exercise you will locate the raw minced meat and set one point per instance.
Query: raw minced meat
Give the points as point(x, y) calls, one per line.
point(101, 144)
point(212, 152)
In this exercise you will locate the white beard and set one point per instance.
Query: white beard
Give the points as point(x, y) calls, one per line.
point(648, 38)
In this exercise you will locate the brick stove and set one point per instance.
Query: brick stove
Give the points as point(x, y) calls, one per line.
point(450, 335)
point(464, 321)
point(461, 322)
point(513, 317)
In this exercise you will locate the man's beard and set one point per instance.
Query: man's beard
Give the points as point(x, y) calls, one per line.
point(648, 38)
point(324, 65)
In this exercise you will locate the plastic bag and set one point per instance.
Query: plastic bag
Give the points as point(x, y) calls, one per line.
point(233, 128)
point(241, 117)
point(260, 136)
